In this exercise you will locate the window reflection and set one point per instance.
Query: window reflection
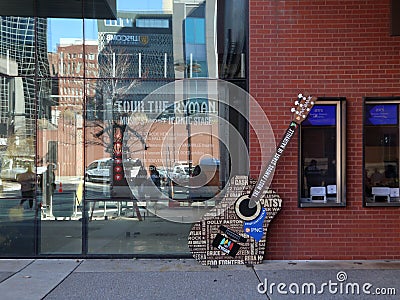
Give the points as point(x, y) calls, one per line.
point(23, 62)
point(68, 88)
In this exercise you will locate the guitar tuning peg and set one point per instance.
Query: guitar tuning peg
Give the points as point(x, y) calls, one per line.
point(300, 96)
point(304, 116)
point(301, 104)
point(304, 98)
point(293, 109)
point(308, 109)
point(296, 102)
point(312, 102)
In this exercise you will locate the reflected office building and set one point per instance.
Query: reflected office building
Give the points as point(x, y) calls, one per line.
point(71, 91)
point(23, 55)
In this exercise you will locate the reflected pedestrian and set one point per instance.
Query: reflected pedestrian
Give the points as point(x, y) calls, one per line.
point(141, 183)
point(155, 176)
point(49, 184)
point(28, 186)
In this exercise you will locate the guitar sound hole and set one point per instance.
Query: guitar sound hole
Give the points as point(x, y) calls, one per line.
point(245, 209)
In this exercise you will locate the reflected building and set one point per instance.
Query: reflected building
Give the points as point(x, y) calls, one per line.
point(23, 65)
point(208, 39)
point(195, 38)
point(135, 58)
point(75, 58)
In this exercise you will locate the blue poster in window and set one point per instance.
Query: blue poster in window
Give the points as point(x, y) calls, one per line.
point(321, 115)
point(382, 114)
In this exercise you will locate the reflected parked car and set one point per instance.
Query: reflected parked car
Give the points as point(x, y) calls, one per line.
point(99, 170)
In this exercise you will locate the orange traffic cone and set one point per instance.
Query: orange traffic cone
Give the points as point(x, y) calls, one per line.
point(60, 188)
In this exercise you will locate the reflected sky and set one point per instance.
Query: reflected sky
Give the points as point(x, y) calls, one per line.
point(72, 28)
point(139, 5)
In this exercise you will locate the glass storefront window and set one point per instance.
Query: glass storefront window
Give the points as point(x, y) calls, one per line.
point(69, 86)
point(322, 155)
point(381, 152)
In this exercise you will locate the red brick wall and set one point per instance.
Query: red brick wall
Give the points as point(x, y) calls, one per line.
point(329, 48)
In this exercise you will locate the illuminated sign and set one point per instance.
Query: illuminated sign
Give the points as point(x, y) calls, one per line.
point(126, 39)
point(321, 115)
point(382, 114)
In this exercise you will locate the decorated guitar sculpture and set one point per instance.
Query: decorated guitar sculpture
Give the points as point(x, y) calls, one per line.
point(234, 231)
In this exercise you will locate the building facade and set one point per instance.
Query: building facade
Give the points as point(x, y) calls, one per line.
point(342, 52)
point(111, 120)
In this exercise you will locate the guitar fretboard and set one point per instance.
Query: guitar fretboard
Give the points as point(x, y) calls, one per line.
point(265, 180)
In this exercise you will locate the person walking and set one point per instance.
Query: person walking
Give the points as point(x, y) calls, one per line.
point(27, 181)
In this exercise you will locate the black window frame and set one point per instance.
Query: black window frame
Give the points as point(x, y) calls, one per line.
point(341, 141)
point(379, 101)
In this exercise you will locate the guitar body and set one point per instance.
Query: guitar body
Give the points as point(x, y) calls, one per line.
point(220, 238)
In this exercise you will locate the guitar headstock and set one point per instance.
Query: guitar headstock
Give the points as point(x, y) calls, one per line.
point(302, 108)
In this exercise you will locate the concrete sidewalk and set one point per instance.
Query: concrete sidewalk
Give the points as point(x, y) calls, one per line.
point(186, 279)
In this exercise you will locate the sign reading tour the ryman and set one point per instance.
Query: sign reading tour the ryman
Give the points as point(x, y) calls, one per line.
point(189, 110)
point(181, 107)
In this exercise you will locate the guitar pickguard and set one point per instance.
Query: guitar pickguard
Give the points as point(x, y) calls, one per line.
point(220, 239)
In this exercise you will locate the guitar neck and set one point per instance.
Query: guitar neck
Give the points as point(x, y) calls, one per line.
point(265, 180)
